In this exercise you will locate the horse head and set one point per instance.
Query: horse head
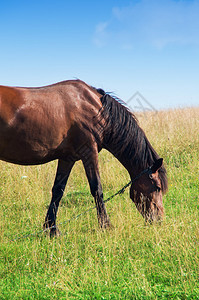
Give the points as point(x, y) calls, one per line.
point(146, 192)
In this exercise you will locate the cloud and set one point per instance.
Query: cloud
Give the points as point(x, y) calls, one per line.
point(154, 23)
point(100, 34)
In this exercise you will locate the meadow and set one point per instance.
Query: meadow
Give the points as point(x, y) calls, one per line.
point(132, 260)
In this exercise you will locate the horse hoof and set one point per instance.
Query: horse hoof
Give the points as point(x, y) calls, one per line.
point(106, 225)
point(52, 231)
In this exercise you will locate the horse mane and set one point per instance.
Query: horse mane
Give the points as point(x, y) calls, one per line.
point(126, 137)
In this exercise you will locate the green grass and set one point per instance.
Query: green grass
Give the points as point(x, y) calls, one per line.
point(130, 261)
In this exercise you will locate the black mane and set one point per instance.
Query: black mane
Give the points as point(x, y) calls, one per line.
point(124, 135)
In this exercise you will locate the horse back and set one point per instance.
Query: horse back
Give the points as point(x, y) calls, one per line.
point(42, 124)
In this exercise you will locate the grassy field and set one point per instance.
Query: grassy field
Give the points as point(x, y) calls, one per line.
point(130, 261)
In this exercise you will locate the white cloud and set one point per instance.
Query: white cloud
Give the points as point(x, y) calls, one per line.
point(100, 34)
point(155, 23)
point(100, 28)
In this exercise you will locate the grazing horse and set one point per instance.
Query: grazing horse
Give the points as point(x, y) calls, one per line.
point(72, 121)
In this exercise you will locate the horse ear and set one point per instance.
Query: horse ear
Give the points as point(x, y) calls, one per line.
point(157, 165)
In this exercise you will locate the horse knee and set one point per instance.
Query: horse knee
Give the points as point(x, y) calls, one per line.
point(58, 190)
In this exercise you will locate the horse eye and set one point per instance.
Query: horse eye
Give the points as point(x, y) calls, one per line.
point(158, 189)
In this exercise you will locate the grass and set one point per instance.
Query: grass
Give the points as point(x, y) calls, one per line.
point(130, 261)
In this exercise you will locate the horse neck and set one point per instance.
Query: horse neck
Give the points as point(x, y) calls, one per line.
point(135, 153)
point(128, 163)
point(123, 137)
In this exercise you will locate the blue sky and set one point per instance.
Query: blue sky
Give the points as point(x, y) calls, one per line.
point(123, 46)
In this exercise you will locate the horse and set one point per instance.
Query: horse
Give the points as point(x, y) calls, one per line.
point(70, 121)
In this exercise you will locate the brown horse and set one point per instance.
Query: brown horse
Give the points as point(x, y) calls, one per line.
point(72, 121)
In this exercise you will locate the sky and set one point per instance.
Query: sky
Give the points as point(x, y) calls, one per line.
point(122, 46)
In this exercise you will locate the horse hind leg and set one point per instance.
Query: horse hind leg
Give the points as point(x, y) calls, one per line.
point(63, 172)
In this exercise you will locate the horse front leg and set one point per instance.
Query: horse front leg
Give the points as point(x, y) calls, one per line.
point(90, 161)
point(63, 172)
point(102, 215)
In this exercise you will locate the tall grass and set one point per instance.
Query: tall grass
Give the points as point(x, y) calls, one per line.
point(130, 261)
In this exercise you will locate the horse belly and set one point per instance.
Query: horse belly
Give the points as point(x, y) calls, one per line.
point(15, 149)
